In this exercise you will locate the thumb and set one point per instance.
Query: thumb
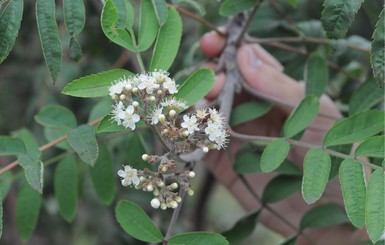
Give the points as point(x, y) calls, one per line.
point(267, 79)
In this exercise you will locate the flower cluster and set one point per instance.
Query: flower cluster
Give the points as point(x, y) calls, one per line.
point(150, 98)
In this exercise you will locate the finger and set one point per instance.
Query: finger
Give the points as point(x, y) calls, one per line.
point(218, 86)
point(212, 44)
point(266, 79)
point(266, 57)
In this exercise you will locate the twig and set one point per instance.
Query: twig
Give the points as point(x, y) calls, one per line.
point(199, 19)
point(45, 147)
point(174, 218)
point(248, 21)
point(301, 144)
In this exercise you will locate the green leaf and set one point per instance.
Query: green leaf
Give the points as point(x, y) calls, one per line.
point(110, 25)
point(323, 215)
point(27, 211)
point(197, 238)
point(377, 57)
point(108, 125)
point(355, 128)
point(83, 141)
point(372, 147)
point(100, 109)
point(52, 134)
point(167, 42)
point(274, 154)
point(316, 75)
point(10, 20)
point(148, 28)
point(126, 14)
point(5, 183)
point(75, 50)
point(247, 162)
point(56, 116)
point(33, 169)
point(365, 97)
point(316, 170)
point(136, 222)
point(49, 36)
point(242, 229)
point(161, 11)
point(95, 85)
point(103, 176)
point(232, 7)
point(353, 188)
point(66, 187)
point(338, 15)
point(11, 146)
point(29, 140)
point(280, 187)
point(193, 4)
point(196, 86)
point(302, 116)
point(375, 206)
point(249, 111)
point(74, 16)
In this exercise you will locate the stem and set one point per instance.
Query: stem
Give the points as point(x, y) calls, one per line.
point(302, 144)
point(137, 53)
point(270, 209)
point(174, 217)
point(248, 21)
point(162, 141)
point(45, 147)
point(199, 19)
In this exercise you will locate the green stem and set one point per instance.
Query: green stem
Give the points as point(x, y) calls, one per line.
point(137, 53)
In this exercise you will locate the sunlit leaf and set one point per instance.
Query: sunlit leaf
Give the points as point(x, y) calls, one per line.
point(94, 85)
point(243, 228)
point(83, 141)
point(103, 176)
point(249, 111)
point(316, 170)
point(323, 216)
point(338, 15)
point(274, 154)
point(49, 36)
point(377, 57)
point(353, 188)
point(197, 238)
point(167, 42)
point(136, 222)
point(66, 187)
point(33, 169)
point(10, 20)
point(355, 128)
point(375, 206)
point(196, 86)
point(302, 116)
point(27, 211)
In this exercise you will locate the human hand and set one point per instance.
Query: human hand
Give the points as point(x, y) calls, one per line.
point(264, 73)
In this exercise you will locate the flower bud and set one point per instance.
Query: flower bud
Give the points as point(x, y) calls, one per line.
point(165, 131)
point(142, 179)
point(150, 187)
point(159, 92)
point(151, 98)
point(155, 192)
point(135, 90)
point(178, 199)
point(155, 203)
point(122, 97)
point(163, 169)
point(174, 186)
point(190, 192)
point(173, 204)
point(163, 206)
point(160, 183)
point(146, 157)
point(191, 174)
point(135, 104)
point(205, 149)
point(162, 118)
point(172, 113)
point(128, 87)
point(184, 133)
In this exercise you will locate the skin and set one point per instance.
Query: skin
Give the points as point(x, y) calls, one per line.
point(264, 73)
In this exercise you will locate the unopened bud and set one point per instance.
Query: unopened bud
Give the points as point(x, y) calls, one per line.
point(150, 187)
point(142, 179)
point(165, 131)
point(146, 157)
point(191, 174)
point(184, 133)
point(173, 204)
point(135, 90)
point(128, 87)
point(178, 199)
point(205, 149)
point(163, 206)
point(174, 186)
point(190, 192)
point(163, 169)
point(122, 97)
point(172, 113)
point(155, 203)
point(135, 104)
point(162, 118)
point(155, 192)
point(160, 183)
point(151, 98)
point(159, 92)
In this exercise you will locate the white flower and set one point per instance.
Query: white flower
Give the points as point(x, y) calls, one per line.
point(213, 130)
point(221, 140)
point(148, 83)
point(170, 85)
point(173, 103)
point(129, 176)
point(201, 113)
point(130, 118)
point(215, 116)
point(190, 123)
point(155, 115)
point(118, 112)
point(117, 88)
point(155, 203)
point(160, 75)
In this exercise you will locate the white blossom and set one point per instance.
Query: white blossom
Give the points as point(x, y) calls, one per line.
point(170, 85)
point(215, 116)
point(160, 76)
point(129, 176)
point(117, 88)
point(173, 103)
point(130, 118)
point(118, 113)
point(190, 123)
point(221, 140)
point(155, 115)
point(213, 130)
point(148, 83)
point(201, 113)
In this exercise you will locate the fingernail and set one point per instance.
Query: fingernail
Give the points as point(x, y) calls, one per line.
point(253, 60)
